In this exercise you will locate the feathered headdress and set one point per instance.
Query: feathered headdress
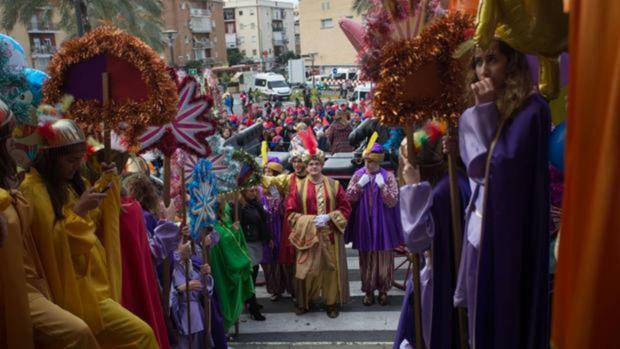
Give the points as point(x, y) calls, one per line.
point(53, 130)
point(311, 151)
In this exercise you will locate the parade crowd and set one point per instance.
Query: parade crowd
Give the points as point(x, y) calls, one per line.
point(66, 284)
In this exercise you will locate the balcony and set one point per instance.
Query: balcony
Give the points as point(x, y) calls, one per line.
point(198, 12)
point(43, 51)
point(278, 42)
point(202, 43)
point(200, 24)
point(231, 40)
point(41, 27)
point(229, 15)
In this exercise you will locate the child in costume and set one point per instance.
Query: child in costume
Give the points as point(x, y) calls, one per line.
point(75, 228)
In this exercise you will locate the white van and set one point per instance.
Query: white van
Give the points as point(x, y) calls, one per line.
point(272, 84)
point(361, 92)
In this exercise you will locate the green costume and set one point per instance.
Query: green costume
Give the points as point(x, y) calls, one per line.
point(231, 269)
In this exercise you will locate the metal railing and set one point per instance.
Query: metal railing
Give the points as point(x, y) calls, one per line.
point(43, 50)
point(41, 26)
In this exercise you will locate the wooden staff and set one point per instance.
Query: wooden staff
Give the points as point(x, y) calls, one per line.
point(166, 266)
point(107, 141)
point(207, 298)
point(415, 263)
point(457, 237)
point(188, 264)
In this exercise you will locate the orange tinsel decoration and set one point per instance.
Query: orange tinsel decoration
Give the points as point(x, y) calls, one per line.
point(159, 108)
point(419, 78)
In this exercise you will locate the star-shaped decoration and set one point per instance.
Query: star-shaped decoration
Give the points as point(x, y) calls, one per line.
point(189, 128)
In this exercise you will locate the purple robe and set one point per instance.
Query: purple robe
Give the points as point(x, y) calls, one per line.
point(178, 305)
point(273, 206)
point(385, 231)
point(504, 271)
point(427, 223)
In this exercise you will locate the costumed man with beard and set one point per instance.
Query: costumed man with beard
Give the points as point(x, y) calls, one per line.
point(285, 183)
point(317, 211)
point(375, 229)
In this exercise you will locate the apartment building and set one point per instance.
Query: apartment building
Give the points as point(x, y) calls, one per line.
point(321, 35)
point(40, 38)
point(260, 29)
point(200, 31)
point(297, 33)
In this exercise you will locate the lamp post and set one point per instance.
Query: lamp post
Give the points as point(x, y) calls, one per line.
point(170, 34)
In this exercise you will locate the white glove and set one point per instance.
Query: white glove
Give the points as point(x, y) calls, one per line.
point(274, 192)
point(380, 181)
point(365, 179)
point(321, 220)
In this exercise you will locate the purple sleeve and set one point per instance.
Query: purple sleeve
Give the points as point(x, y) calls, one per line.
point(389, 193)
point(477, 128)
point(354, 192)
point(166, 239)
point(215, 238)
point(418, 227)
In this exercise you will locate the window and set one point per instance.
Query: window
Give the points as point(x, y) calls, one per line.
point(243, 52)
point(252, 26)
point(327, 23)
point(254, 39)
point(251, 12)
point(325, 6)
point(260, 82)
point(350, 17)
point(240, 13)
point(269, 51)
point(277, 83)
point(254, 54)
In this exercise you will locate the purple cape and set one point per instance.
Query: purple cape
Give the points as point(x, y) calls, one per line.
point(374, 229)
point(444, 323)
point(512, 309)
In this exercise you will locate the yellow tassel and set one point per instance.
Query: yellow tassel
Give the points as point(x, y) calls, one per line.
point(263, 152)
point(371, 142)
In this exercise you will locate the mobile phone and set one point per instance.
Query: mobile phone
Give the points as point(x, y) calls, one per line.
point(106, 188)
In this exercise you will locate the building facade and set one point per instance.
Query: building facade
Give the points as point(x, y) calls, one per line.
point(261, 29)
point(321, 36)
point(40, 38)
point(199, 27)
point(297, 33)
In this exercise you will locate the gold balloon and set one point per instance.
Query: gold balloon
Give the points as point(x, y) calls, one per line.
point(531, 26)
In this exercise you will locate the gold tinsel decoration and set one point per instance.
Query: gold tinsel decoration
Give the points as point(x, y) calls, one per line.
point(159, 108)
point(419, 78)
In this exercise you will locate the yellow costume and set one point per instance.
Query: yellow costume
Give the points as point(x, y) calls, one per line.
point(76, 264)
point(25, 292)
point(15, 325)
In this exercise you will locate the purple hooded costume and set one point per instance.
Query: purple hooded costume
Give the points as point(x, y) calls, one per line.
point(504, 270)
point(427, 224)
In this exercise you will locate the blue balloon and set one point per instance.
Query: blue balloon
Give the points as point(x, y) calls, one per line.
point(557, 146)
point(15, 51)
point(35, 79)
